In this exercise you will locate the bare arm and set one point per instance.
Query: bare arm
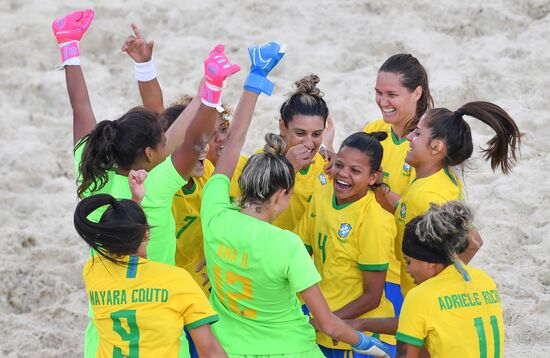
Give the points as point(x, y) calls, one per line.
point(151, 95)
point(474, 245)
point(376, 325)
point(327, 321)
point(405, 350)
point(197, 133)
point(229, 157)
point(373, 288)
point(206, 343)
point(386, 198)
point(141, 51)
point(83, 116)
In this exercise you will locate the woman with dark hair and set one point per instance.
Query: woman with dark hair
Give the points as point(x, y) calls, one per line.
point(456, 310)
point(140, 306)
point(350, 237)
point(441, 140)
point(107, 151)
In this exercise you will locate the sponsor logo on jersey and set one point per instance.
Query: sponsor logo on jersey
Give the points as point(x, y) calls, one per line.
point(406, 170)
point(344, 230)
point(403, 211)
point(323, 179)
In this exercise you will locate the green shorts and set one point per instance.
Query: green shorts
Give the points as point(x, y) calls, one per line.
point(312, 353)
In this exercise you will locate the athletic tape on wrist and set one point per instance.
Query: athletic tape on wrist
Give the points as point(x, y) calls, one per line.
point(69, 50)
point(145, 71)
point(258, 84)
point(211, 95)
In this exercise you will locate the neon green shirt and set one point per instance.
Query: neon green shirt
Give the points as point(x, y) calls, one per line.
point(256, 270)
point(160, 186)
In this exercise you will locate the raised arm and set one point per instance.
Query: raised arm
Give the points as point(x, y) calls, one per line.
point(68, 31)
point(199, 129)
point(141, 52)
point(263, 60)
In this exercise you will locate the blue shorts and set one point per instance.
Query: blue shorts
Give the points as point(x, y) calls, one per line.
point(339, 353)
point(394, 295)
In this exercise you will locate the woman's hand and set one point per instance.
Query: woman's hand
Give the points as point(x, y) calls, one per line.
point(136, 179)
point(137, 48)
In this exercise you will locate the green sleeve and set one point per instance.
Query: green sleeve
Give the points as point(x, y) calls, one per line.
point(301, 272)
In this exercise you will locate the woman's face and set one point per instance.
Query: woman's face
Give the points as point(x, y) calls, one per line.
point(217, 141)
point(302, 129)
point(352, 175)
point(198, 169)
point(396, 102)
point(419, 270)
point(420, 148)
point(157, 155)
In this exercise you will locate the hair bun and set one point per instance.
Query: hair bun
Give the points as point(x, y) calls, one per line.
point(308, 85)
point(274, 144)
point(379, 136)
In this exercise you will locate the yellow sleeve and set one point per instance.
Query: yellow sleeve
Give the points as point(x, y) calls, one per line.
point(306, 224)
point(375, 242)
point(412, 327)
point(208, 169)
point(234, 189)
point(196, 308)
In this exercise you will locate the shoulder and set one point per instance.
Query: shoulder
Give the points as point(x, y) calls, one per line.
point(377, 126)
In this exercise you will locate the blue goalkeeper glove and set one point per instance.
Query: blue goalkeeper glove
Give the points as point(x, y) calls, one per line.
point(264, 58)
point(371, 346)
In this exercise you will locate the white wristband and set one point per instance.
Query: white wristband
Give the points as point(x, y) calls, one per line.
point(145, 71)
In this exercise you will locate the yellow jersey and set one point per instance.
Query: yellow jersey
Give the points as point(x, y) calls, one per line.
point(397, 175)
point(234, 189)
point(346, 240)
point(141, 308)
point(454, 315)
point(189, 240)
point(307, 181)
point(438, 188)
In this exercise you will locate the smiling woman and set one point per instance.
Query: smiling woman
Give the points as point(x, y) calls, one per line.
point(303, 120)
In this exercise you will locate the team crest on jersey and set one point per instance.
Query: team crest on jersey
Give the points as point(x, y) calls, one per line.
point(323, 179)
point(406, 168)
point(344, 230)
point(403, 211)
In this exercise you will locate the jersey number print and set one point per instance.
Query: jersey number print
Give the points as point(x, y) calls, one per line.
point(478, 322)
point(232, 278)
point(131, 336)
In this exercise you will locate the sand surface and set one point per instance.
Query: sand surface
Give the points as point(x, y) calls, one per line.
point(494, 50)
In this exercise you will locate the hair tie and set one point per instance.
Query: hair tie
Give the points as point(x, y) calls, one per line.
point(459, 112)
point(114, 203)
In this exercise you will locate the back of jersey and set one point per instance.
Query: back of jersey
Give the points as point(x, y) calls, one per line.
point(256, 270)
point(141, 307)
point(455, 314)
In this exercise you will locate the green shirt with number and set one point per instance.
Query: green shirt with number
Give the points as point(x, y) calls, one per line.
point(256, 269)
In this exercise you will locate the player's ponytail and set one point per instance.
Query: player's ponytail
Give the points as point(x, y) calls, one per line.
point(116, 144)
point(306, 100)
point(120, 231)
point(265, 173)
point(451, 127)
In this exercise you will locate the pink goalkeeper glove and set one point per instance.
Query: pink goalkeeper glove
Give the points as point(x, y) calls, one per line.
point(68, 30)
point(216, 69)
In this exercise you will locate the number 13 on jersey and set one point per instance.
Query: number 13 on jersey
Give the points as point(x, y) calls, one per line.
point(241, 290)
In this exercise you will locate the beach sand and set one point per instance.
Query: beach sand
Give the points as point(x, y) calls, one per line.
point(494, 50)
